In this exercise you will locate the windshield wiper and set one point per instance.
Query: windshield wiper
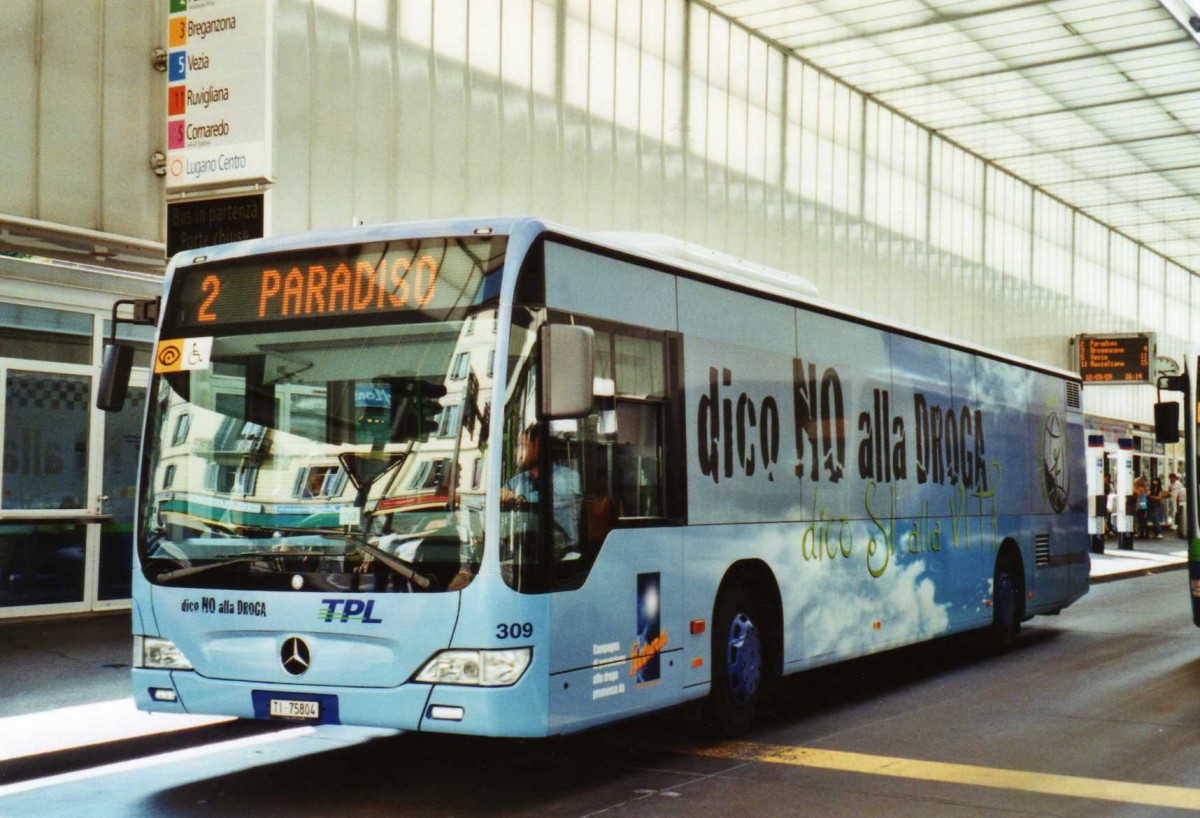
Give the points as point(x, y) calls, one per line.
point(401, 567)
point(254, 556)
point(390, 560)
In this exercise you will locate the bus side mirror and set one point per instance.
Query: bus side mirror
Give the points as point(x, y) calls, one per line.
point(566, 371)
point(114, 377)
point(1166, 422)
point(118, 357)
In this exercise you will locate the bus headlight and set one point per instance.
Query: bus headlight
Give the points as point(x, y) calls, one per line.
point(157, 653)
point(483, 668)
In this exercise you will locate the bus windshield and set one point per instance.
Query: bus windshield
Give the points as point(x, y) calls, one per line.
point(318, 454)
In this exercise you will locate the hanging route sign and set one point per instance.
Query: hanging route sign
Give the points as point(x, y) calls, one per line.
point(1120, 358)
point(218, 93)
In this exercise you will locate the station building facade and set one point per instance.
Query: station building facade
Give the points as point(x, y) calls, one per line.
point(659, 116)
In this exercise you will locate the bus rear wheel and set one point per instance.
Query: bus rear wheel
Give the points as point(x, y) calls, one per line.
point(737, 661)
point(1006, 608)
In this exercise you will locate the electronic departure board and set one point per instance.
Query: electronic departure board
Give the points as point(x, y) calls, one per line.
point(1118, 358)
point(431, 276)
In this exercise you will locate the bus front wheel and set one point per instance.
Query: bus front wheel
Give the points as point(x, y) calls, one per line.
point(737, 661)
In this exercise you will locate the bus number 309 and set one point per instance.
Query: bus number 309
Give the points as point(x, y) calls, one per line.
point(515, 630)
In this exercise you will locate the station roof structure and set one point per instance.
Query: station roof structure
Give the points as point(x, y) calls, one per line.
point(1094, 102)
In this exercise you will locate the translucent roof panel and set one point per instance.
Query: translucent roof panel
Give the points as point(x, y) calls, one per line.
point(1089, 100)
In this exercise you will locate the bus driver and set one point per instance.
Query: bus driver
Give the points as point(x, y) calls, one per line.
point(521, 490)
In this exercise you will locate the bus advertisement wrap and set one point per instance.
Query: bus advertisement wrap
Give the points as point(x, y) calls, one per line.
point(355, 509)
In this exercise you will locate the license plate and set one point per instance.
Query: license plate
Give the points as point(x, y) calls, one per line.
point(293, 709)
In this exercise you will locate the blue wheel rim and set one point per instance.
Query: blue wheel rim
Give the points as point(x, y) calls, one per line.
point(743, 659)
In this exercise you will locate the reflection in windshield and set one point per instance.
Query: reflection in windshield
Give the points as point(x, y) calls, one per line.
point(349, 459)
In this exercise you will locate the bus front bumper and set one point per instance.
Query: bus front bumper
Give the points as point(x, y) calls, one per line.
point(516, 711)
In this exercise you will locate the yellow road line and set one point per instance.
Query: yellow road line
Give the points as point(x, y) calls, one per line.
point(1126, 792)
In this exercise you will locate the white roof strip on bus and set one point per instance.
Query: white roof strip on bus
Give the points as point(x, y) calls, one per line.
point(723, 264)
point(711, 264)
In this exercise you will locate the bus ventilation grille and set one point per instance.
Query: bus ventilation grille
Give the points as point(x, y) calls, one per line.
point(1074, 396)
point(1041, 550)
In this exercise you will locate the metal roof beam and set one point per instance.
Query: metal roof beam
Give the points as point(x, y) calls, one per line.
point(1095, 145)
point(1073, 109)
point(1160, 222)
point(995, 72)
point(938, 19)
point(1150, 172)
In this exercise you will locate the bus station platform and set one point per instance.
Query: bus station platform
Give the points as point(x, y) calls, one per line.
point(1149, 556)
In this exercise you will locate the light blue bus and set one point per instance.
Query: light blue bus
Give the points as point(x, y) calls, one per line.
point(501, 477)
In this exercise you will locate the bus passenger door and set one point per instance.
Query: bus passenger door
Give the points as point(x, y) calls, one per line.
point(616, 641)
point(618, 613)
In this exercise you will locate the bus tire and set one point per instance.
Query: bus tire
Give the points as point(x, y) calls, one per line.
point(737, 660)
point(1006, 607)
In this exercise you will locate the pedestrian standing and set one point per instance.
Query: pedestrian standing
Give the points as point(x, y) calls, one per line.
point(1140, 490)
point(1177, 501)
point(1155, 506)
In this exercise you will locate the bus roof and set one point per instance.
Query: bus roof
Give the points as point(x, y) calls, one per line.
point(662, 251)
point(730, 271)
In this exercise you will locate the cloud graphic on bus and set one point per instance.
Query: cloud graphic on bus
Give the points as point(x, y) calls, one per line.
point(841, 608)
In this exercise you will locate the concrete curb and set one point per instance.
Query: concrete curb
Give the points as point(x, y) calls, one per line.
point(1136, 572)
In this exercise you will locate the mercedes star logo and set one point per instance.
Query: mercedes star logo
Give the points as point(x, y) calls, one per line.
point(294, 655)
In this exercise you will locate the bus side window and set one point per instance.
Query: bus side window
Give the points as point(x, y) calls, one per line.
point(617, 450)
point(585, 448)
point(638, 460)
point(589, 453)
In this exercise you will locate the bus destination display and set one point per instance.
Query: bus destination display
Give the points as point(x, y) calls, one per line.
point(434, 275)
point(1121, 358)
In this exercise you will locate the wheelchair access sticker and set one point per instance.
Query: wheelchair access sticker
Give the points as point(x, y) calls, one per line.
point(183, 354)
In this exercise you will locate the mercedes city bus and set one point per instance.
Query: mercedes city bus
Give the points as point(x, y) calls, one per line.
point(502, 477)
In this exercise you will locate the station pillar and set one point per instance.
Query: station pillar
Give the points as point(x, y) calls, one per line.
point(1123, 477)
point(1097, 499)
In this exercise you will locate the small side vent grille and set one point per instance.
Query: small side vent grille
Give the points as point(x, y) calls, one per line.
point(1074, 396)
point(1041, 550)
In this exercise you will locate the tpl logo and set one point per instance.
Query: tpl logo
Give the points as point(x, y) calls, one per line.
point(352, 610)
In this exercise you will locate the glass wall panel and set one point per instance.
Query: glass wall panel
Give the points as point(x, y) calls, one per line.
point(1091, 263)
point(1150, 277)
point(1123, 275)
point(810, 116)
point(45, 440)
point(1177, 302)
point(1052, 246)
point(41, 319)
point(122, 444)
point(1009, 215)
point(663, 115)
point(40, 334)
point(41, 563)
